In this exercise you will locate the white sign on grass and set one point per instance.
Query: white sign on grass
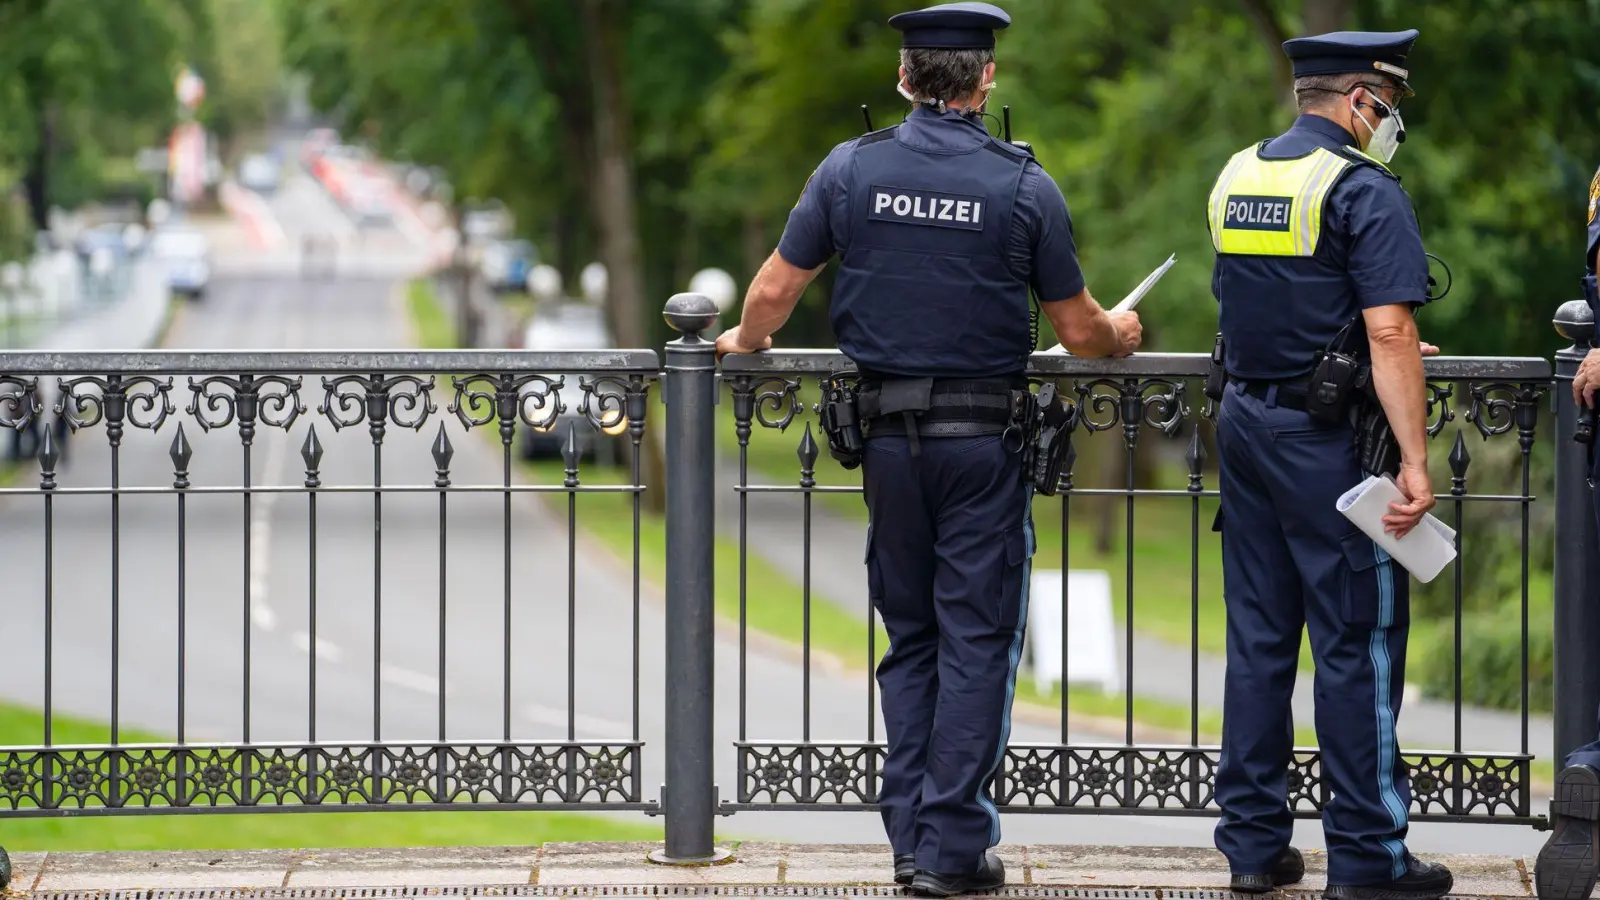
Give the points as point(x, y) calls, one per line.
point(1091, 634)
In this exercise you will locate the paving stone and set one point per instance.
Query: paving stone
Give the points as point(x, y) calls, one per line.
point(150, 869)
point(414, 867)
point(1128, 867)
point(839, 864)
point(25, 869)
point(627, 864)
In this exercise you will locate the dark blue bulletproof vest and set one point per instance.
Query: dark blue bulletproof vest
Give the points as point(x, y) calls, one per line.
point(924, 287)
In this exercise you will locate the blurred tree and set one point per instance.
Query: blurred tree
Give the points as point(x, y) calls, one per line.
point(83, 79)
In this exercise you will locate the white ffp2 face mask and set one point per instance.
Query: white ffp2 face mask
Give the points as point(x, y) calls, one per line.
point(1386, 138)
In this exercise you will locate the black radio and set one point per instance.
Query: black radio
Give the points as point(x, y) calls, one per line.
point(1216, 373)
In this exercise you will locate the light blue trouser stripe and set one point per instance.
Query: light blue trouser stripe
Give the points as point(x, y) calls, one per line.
point(1015, 656)
point(1379, 650)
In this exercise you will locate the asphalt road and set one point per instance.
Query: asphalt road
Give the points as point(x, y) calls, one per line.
point(390, 688)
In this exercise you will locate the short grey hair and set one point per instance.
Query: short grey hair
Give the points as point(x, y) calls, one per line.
point(1316, 91)
point(939, 74)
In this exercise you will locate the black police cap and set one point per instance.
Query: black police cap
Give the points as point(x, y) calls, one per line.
point(951, 26)
point(1339, 52)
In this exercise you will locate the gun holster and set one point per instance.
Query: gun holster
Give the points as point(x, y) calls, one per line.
point(1377, 450)
point(841, 422)
point(1054, 418)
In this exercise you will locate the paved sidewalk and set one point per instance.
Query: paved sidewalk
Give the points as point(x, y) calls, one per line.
point(622, 869)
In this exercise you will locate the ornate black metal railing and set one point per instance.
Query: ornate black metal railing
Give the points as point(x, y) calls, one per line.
point(158, 578)
point(1127, 404)
point(235, 588)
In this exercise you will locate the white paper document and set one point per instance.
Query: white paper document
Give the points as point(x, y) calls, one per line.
point(1134, 296)
point(1424, 551)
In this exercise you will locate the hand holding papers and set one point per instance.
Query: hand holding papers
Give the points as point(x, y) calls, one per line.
point(1137, 294)
point(1424, 552)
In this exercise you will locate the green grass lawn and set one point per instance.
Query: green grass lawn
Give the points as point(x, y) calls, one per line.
point(25, 727)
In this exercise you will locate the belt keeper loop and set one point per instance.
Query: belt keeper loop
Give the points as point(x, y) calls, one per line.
point(911, 432)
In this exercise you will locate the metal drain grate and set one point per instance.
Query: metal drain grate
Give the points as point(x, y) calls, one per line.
point(666, 891)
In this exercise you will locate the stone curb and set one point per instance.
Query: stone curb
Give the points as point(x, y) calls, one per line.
point(753, 866)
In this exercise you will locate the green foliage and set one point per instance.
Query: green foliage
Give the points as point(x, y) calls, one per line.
point(91, 83)
point(1491, 661)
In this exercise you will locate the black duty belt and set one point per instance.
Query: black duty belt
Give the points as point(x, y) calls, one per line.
point(950, 407)
point(1291, 392)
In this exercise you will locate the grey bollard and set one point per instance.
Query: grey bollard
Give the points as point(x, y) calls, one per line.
point(1577, 564)
point(689, 797)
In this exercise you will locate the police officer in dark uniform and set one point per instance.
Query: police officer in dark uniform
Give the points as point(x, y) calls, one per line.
point(942, 231)
point(1570, 860)
point(1314, 237)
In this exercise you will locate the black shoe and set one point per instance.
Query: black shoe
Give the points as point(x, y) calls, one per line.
point(1566, 867)
point(991, 875)
point(1422, 881)
point(905, 866)
point(1288, 868)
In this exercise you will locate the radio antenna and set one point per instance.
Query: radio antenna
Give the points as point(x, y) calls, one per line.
point(1005, 114)
point(866, 116)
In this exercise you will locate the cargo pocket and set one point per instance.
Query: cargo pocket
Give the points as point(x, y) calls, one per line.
point(1018, 548)
point(1375, 592)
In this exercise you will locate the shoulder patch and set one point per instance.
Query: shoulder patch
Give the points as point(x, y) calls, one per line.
point(1594, 195)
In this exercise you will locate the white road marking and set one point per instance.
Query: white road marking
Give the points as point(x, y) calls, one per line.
point(277, 444)
point(588, 725)
point(326, 651)
point(405, 678)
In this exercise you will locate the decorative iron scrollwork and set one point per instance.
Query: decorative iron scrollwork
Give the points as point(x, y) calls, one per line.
point(1439, 411)
point(1497, 407)
point(404, 400)
point(18, 407)
point(119, 400)
point(604, 402)
point(272, 399)
point(534, 399)
point(777, 401)
point(1132, 403)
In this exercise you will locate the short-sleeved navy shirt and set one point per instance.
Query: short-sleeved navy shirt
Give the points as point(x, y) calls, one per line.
point(1041, 246)
point(1276, 312)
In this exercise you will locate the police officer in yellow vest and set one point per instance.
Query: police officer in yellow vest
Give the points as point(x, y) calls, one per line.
point(1317, 249)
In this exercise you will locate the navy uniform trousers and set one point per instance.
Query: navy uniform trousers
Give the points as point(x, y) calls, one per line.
point(1290, 559)
point(949, 547)
point(1589, 754)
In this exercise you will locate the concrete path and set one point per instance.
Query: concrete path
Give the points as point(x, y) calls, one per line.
point(756, 869)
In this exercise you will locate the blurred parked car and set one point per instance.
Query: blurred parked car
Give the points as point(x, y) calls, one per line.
point(574, 326)
point(259, 173)
point(186, 254)
point(506, 265)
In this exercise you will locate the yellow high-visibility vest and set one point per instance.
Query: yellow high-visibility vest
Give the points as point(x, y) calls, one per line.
point(1273, 207)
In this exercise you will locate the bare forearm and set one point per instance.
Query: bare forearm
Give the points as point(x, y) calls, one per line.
point(764, 313)
point(1083, 326)
point(1397, 376)
point(772, 297)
